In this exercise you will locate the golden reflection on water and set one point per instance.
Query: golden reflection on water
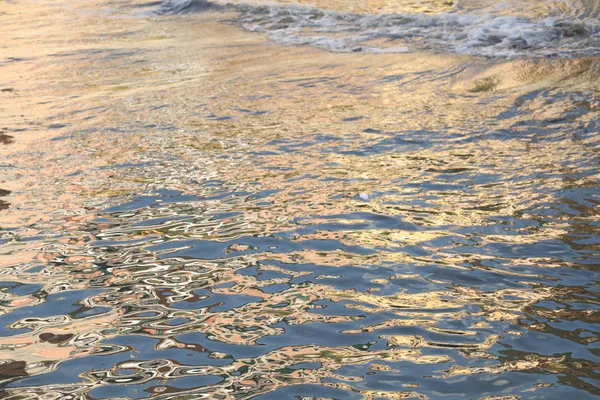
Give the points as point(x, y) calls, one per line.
point(378, 6)
point(413, 217)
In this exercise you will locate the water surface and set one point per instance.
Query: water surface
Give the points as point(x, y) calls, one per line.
point(197, 208)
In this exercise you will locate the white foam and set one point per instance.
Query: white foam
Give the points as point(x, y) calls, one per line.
point(486, 35)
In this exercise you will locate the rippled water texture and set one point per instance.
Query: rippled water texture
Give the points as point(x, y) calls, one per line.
point(190, 211)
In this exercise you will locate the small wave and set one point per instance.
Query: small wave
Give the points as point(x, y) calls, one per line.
point(486, 35)
point(169, 7)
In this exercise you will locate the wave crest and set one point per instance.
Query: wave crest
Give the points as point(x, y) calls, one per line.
point(463, 33)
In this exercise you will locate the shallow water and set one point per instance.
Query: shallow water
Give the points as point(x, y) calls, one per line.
point(198, 211)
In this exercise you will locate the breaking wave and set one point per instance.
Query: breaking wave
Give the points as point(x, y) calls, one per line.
point(480, 34)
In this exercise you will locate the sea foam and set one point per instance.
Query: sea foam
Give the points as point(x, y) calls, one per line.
point(488, 35)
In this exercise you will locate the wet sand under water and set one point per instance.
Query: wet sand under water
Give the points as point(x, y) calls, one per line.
point(195, 212)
